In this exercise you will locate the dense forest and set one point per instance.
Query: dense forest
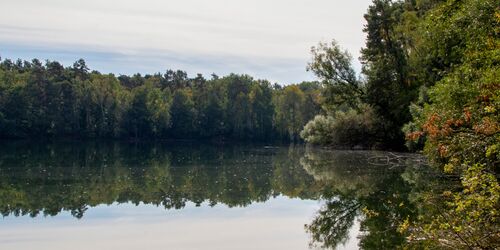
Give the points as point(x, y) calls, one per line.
point(431, 72)
point(49, 100)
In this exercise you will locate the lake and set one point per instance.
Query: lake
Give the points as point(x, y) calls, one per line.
point(118, 195)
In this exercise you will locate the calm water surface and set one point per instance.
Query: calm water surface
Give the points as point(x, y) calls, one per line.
point(199, 196)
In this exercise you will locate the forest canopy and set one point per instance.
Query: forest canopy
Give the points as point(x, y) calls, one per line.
point(46, 99)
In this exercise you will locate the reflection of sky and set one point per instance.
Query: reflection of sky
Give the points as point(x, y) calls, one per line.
point(275, 224)
point(267, 39)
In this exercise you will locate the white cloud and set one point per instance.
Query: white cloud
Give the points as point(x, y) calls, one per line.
point(265, 31)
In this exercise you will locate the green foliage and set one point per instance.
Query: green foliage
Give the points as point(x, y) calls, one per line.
point(464, 219)
point(333, 67)
point(183, 113)
point(290, 111)
point(459, 121)
point(348, 121)
point(48, 100)
point(389, 86)
point(319, 131)
point(148, 114)
point(343, 129)
point(431, 69)
point(102, 104)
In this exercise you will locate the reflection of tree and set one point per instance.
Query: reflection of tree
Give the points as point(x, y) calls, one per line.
point(355, 188)
point(289, 176)
point(333, 222)
point(72, 177)
point(346, 171)
point(48, 179)
point(453, 212)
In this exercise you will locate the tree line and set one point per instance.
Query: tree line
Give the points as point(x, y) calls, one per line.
point(49, 100)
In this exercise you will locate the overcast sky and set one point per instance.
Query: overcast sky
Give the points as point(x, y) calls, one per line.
point(267, 39)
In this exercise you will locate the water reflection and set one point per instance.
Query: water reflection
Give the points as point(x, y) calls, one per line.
point(376, 195)
point(48, 179)
point(364, 188)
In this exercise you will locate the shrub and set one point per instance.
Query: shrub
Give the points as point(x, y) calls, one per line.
point(344, 129)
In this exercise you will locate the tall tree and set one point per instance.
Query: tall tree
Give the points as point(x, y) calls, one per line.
point(183, 114)
point(333, 67)
point(385, 66)
point(289, 115)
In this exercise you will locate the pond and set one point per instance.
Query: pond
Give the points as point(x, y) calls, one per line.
point(111, 195)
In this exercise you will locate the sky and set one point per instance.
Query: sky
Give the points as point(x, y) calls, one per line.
point(268, 39)
point(277, 223)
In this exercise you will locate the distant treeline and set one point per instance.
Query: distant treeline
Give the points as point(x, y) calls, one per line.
point(49, 100)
